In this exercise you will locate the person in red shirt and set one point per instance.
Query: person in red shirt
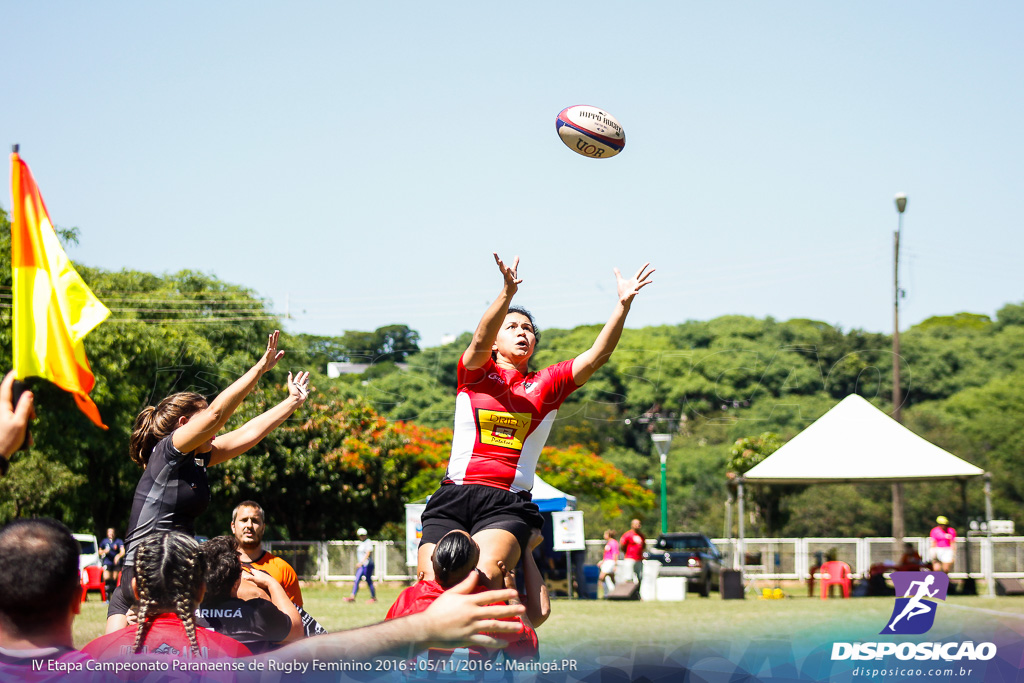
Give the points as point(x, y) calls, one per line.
point(169, 583)
point(633, 544)
point(455, 557)
point(503, 415)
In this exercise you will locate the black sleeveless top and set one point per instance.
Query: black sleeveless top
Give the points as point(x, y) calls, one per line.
point(171, 494)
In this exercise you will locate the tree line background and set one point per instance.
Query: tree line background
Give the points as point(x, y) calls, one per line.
point(731, 390)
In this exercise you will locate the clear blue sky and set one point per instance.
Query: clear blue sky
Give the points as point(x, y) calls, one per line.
point(359, 162)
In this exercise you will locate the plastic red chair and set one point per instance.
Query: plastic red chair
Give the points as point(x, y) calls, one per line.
point(92, 579)
point(835, 573)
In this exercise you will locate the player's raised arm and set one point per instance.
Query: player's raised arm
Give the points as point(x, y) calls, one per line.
point(585, 364)
point(204, 425)
point(487, 329)
point(238, 441)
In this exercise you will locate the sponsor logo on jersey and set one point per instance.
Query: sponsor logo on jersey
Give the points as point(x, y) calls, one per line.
point(496, 377)
point(221, 613)
point(499, 428)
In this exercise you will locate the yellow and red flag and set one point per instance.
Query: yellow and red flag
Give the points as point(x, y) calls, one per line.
point(53, 307)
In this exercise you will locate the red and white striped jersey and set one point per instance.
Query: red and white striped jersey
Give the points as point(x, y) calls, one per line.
point(502, 420)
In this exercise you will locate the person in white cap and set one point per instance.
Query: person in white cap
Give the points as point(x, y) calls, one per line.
point(364, 551)
point(943, 545)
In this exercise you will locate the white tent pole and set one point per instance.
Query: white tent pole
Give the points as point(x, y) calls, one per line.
point(737, 562)
point(990, 582)
point(727, 531)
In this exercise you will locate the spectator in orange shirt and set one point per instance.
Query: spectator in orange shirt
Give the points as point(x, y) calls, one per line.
point(248, 524)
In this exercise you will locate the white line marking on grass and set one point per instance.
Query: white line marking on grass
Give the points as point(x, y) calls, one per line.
point(996, 612)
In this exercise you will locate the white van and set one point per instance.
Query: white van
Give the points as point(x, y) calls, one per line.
point(89, 554)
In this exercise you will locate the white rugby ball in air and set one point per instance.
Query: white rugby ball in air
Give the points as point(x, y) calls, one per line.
point(590, 131)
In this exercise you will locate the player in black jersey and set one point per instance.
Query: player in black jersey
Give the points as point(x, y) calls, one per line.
point(175, 442)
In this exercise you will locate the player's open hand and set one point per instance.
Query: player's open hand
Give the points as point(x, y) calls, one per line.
point(629, 288)
point(512, 280)
point(272, 355)
point(298, 388)
point(461, 616)
point(536, 538)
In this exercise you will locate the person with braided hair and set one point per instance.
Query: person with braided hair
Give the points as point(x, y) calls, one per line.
point(38, 610)
point(169, 583)
point(175, 442)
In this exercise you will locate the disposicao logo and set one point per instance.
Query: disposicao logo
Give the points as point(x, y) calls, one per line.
point(914, 614)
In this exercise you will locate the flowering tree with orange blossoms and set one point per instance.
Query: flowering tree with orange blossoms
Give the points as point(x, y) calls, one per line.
point(595, 482)
point(335, 466)
point(598, 485)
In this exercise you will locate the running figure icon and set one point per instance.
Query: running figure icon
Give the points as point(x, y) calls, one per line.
point(915, 606)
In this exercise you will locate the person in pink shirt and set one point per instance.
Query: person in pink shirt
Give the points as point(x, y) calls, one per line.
point(943, 545)
point(609, 562)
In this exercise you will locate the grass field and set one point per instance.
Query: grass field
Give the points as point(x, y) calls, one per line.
point(602, 624)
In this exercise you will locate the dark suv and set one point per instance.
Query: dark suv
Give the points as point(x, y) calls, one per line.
point(691, 555)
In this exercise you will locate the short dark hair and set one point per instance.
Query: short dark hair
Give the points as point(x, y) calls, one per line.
point(455, 556)
point(223, 566)
point(39, 577)
point(248, 504)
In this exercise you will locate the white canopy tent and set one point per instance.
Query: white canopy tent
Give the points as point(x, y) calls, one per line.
point(855, 442)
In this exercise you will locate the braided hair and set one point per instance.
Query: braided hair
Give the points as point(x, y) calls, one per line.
point(156, 423)
point(169, 578)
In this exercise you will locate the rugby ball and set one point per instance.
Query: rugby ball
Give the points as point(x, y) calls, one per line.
point(590, 131)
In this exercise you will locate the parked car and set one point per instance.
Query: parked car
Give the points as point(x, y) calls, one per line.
point(691, 555)
point(89, 553)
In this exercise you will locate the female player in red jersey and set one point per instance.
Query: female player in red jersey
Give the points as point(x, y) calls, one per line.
point(503, 415)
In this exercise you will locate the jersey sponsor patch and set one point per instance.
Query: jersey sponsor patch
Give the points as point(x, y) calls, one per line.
point(221, 613)
point(500, 428)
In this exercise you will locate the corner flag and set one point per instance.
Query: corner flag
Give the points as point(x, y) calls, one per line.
point(53, 307)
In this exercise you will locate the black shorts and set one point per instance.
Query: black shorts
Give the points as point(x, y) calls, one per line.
point(122, 597)
point(473, 508)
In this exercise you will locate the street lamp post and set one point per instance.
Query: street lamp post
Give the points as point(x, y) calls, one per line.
point(897, 393)
point(662, 443)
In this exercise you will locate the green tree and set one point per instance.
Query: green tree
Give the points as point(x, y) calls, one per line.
point(334, 466)
point(389, 343)
point(767, 499)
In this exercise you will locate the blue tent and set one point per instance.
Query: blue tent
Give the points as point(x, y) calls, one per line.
point(550, 499)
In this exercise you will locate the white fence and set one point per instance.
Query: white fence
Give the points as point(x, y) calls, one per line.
point(770, 558)
point(792, 558)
